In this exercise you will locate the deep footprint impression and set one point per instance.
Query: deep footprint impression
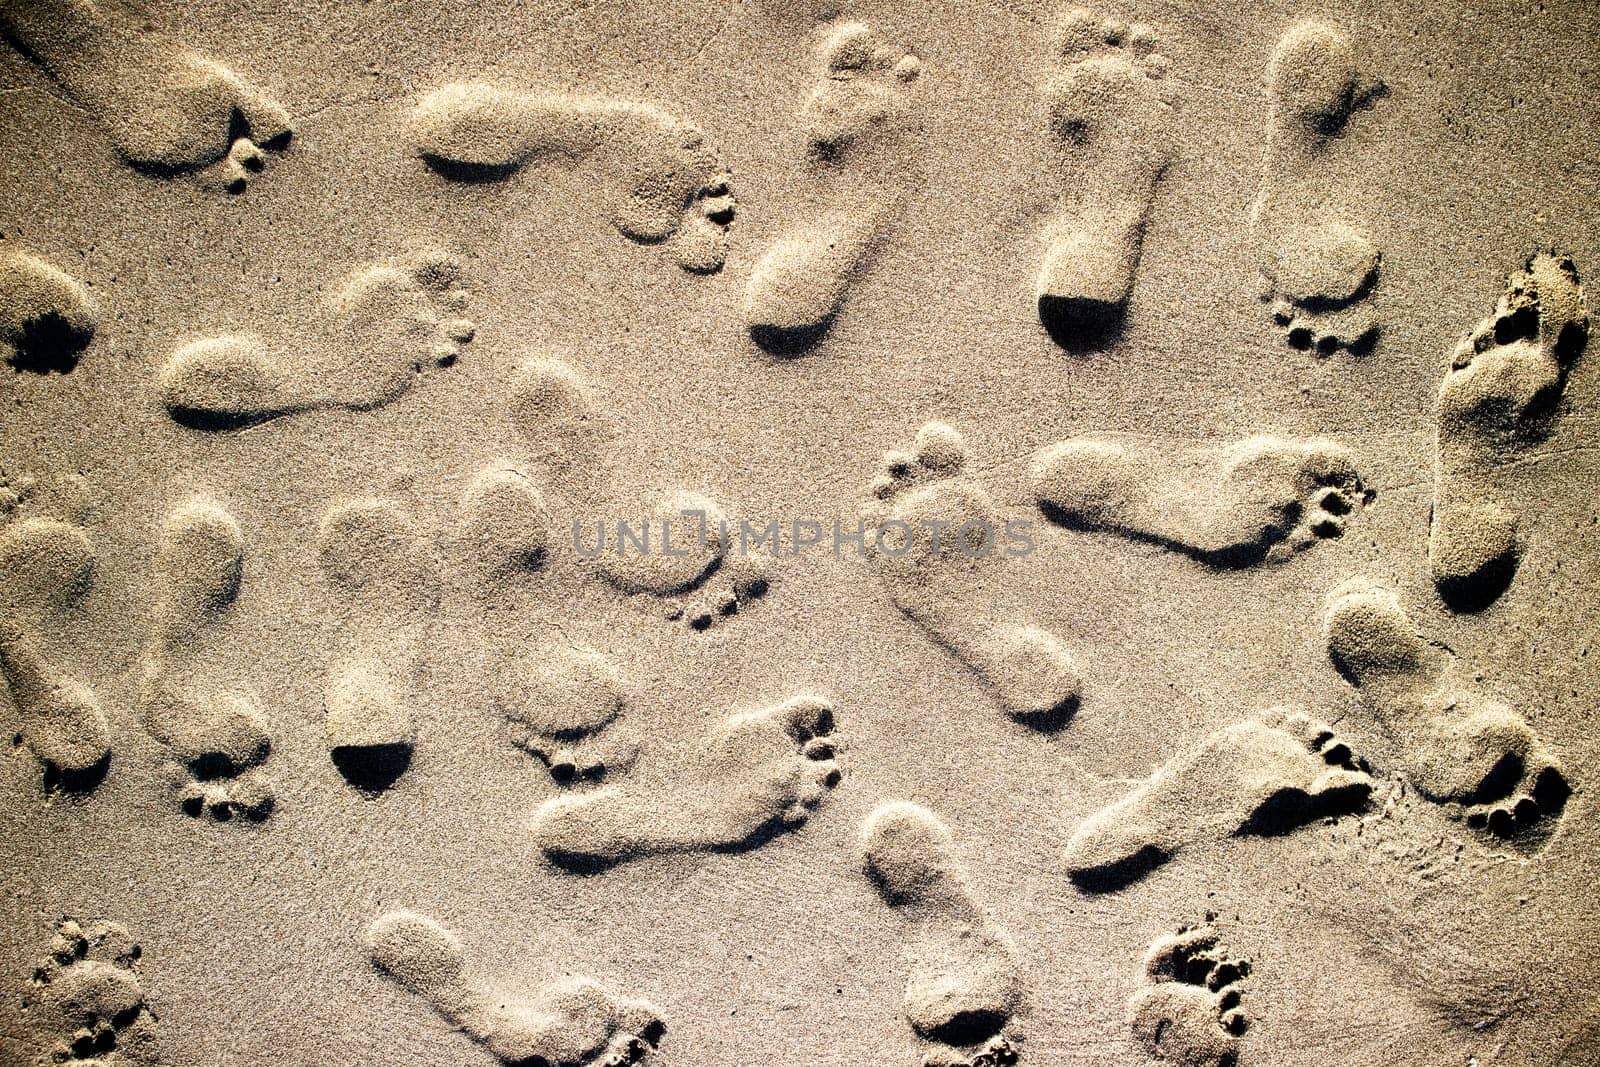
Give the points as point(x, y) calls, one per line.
point(87, 1005)
point(1269, 775)
point(570, 1021)
point(1498, 399)
point(965, 985)
point(856, 127)
point(47, 317)
point(662, 181)
point(758, 774)
point(1188, 1011)
point(388, 323)
point(218, 735)
point(1456, 746)
point(1110, 111)
point(1231, 506)
point(1318, 267)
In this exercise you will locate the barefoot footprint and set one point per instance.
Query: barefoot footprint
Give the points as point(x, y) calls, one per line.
point(759, 773)
point(1317, 266)
point(1188, 1011)
point(1456, 746)
point(46, 567)
point(1263, 776)
point(663, 182)
point(1230, 506)
point(47, 317)
point(385, 581)
point(218, 734)
point(167, 110)
point(938, 543)
point(87, 1005)
point(965, 985)
point(388, 322)
point(1498, 398)
point(682, 552)
point(570, 1021)
point(1110, 118)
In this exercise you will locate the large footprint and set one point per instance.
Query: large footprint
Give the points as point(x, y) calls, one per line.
point(387, 323)
point(760, 772)
point(47, 317)
point(940, 539)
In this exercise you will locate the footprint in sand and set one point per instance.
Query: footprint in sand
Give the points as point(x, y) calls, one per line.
point(46, 568)
point(1236, 505)
point(388, 323)
point(1109, 109)
point(215, 730)
point(859, 148)
point(965, 986)
point(1317, 266)
point(687, 557)
point(1499, 397)
point(86, 1004)
point(385, 581)
point(939, 546)
point(1264, 776)
point(47, 317)
point(1456, 746)
point(167, 110)
point(662, 181)
point(758, 774)
point(1188, 1011)
point(570, 1021)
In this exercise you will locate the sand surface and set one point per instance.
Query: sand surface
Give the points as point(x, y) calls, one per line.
point(324, 322)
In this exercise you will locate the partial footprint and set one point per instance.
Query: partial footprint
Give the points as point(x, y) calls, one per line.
point(47, 316)
point(570, 1021)
point(1317, 266)
point(965, 985)
point(1230, 506)
point(1110, 119)
point(677, 544)
point(859, 146)
point(939, 544)
point(1499, 398)
point(1188, 1011)
point(1270, 776)
point(758, 774)
point(46, 567)
point(1456, 746)
point(385, 581)
point(387, 323)
point(660, 180)
point(87, 1006)
point(168, 110)
point(215, 730)
point(560, 703)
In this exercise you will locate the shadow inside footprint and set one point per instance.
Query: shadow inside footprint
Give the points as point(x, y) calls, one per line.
point(50, 344)
point(1111, 877)
point(63, 780)
point(372, 768)
point(789, 342)
point(1080, 325)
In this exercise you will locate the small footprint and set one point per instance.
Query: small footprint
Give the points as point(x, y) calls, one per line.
point(1265, 776)
point(1187, 1012)
point(86, 1005)
point(663, 182)
point(167, 110)
point(47, 317)
point(217, 733)
point(1110, 116)
point(1231, 506)
point(388, 323)
point(965, 986)
point(1499, 397)
point(758, 774)
point(857, 143)
point(1457, 747)
point(1317, 266)
point(46, 568)
point(570, 1021)
point(560, 704)
point(385, 580)
point(941, 544)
